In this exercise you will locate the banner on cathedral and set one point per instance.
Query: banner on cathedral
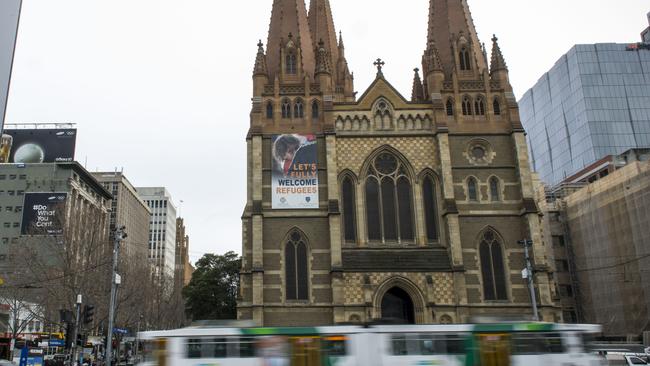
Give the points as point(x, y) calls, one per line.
point(294, 172)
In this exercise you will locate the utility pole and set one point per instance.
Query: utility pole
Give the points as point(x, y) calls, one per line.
point(120, 235)
point(528, 273)
point(76, 329)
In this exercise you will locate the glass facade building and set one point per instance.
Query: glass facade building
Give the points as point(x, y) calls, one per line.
point(594, 102)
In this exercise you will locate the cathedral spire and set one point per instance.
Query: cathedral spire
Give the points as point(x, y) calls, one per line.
point(323, 65)
point(417, 94)
point(289, 29)
point(321, 25)
point(497, 63)
point(451, 21)
point(260, 61)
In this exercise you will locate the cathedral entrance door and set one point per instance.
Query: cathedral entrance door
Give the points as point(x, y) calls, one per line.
point(397, 305)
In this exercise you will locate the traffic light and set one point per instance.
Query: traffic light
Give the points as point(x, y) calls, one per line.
point(80, 340)
point(88, 314)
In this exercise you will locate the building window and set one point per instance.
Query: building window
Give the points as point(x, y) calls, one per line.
point(315, 110)
point(495, 193)
point(269, 110)
point(286, 108)
point(472, 189)
point(349, 216)
point(465, 63)
point(496, 106)
point(296, 267)
point(430, 208)
point(479, 107)
point(298, 110)
point(291, 63)
point(467, 106)
point(389, 200)
point(492, 268)
point(450, 107)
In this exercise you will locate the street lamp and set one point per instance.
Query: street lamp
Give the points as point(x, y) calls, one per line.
point(527, 273)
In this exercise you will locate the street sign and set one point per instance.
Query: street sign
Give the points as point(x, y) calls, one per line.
point(120, 331)
point(57, 342)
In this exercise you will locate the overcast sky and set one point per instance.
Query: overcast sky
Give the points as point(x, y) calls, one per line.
point(162, 88)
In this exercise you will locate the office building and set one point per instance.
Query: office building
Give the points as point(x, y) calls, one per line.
point(373, 206)
point(645, 35)
point(162, 229)
point(128, 210)
point(593, 103)
point(45, 200)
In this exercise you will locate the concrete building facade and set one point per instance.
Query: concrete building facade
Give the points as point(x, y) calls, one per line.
point(162, 228)
point(130, 211)
point(645, 35)
point(593, 103)
point(421, 202)
point(86, 199)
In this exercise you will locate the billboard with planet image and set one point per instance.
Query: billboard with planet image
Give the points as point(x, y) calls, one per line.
point(38, 146)
point(295, 172)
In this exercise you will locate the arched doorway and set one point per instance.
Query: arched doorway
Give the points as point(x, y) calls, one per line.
point(397, 305)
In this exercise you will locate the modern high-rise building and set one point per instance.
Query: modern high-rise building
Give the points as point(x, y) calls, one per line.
point(128, 210)
point(380, 207)
point(594, 102)
point(9, 16)
point(645, 35)
point(162, 229)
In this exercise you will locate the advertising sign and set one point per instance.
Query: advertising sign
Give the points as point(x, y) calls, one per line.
point(43, 214)
point(294, 172)
point(38, 146)
point(9, 14)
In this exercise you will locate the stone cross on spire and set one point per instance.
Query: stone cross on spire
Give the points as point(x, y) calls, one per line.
point(380, 64)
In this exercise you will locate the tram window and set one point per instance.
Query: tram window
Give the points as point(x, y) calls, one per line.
point(532, 344)
point(335, 346)
point(194, 348)
point(220, 348)
point(427, 344)
point(247, 347)
point(399, 345)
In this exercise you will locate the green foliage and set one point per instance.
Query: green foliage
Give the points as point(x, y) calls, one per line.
point(212, 292)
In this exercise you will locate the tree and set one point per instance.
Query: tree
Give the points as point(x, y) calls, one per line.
point(212, 292)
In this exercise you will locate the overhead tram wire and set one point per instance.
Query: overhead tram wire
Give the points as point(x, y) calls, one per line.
point(23, 285)
point(636, 259)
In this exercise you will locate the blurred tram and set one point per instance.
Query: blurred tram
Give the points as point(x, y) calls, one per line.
point(505, 344)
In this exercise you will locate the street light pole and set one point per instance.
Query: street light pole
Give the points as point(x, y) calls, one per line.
point(76, 329)
point(529, 275)
point(120, 234)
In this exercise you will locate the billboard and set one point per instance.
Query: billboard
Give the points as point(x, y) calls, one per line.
point(43, 213)
point(294, 172)
point(38, 146)
point(9, 14)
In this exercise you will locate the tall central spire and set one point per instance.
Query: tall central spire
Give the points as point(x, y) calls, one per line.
point(289, 22)
point(321, 25)
point(451, 21)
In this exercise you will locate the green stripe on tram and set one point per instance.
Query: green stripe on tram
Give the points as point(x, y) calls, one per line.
point(279, 331)
point(514, 327)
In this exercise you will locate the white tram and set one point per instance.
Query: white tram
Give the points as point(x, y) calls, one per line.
point(511, 344)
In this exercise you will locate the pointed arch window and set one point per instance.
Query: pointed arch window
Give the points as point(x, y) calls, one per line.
point(269, 110)
point(450, 107)
point(290, 65)
point(464, 58)
point(430, 208)
point(497, 107)
point(349, 215)
point(389, 208)
point(298, 109)
point(286, 108)
point(467, 106)
point(492, 267)
point(479, 107)
point(472, 189)
point(495, 191)
point(315, 110)
point(296, 267)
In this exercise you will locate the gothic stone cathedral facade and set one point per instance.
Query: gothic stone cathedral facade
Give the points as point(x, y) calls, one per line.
point(421, 202)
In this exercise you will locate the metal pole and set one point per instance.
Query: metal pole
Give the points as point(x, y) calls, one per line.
point(531, 280)
point(119, 235)
point(76, 329)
